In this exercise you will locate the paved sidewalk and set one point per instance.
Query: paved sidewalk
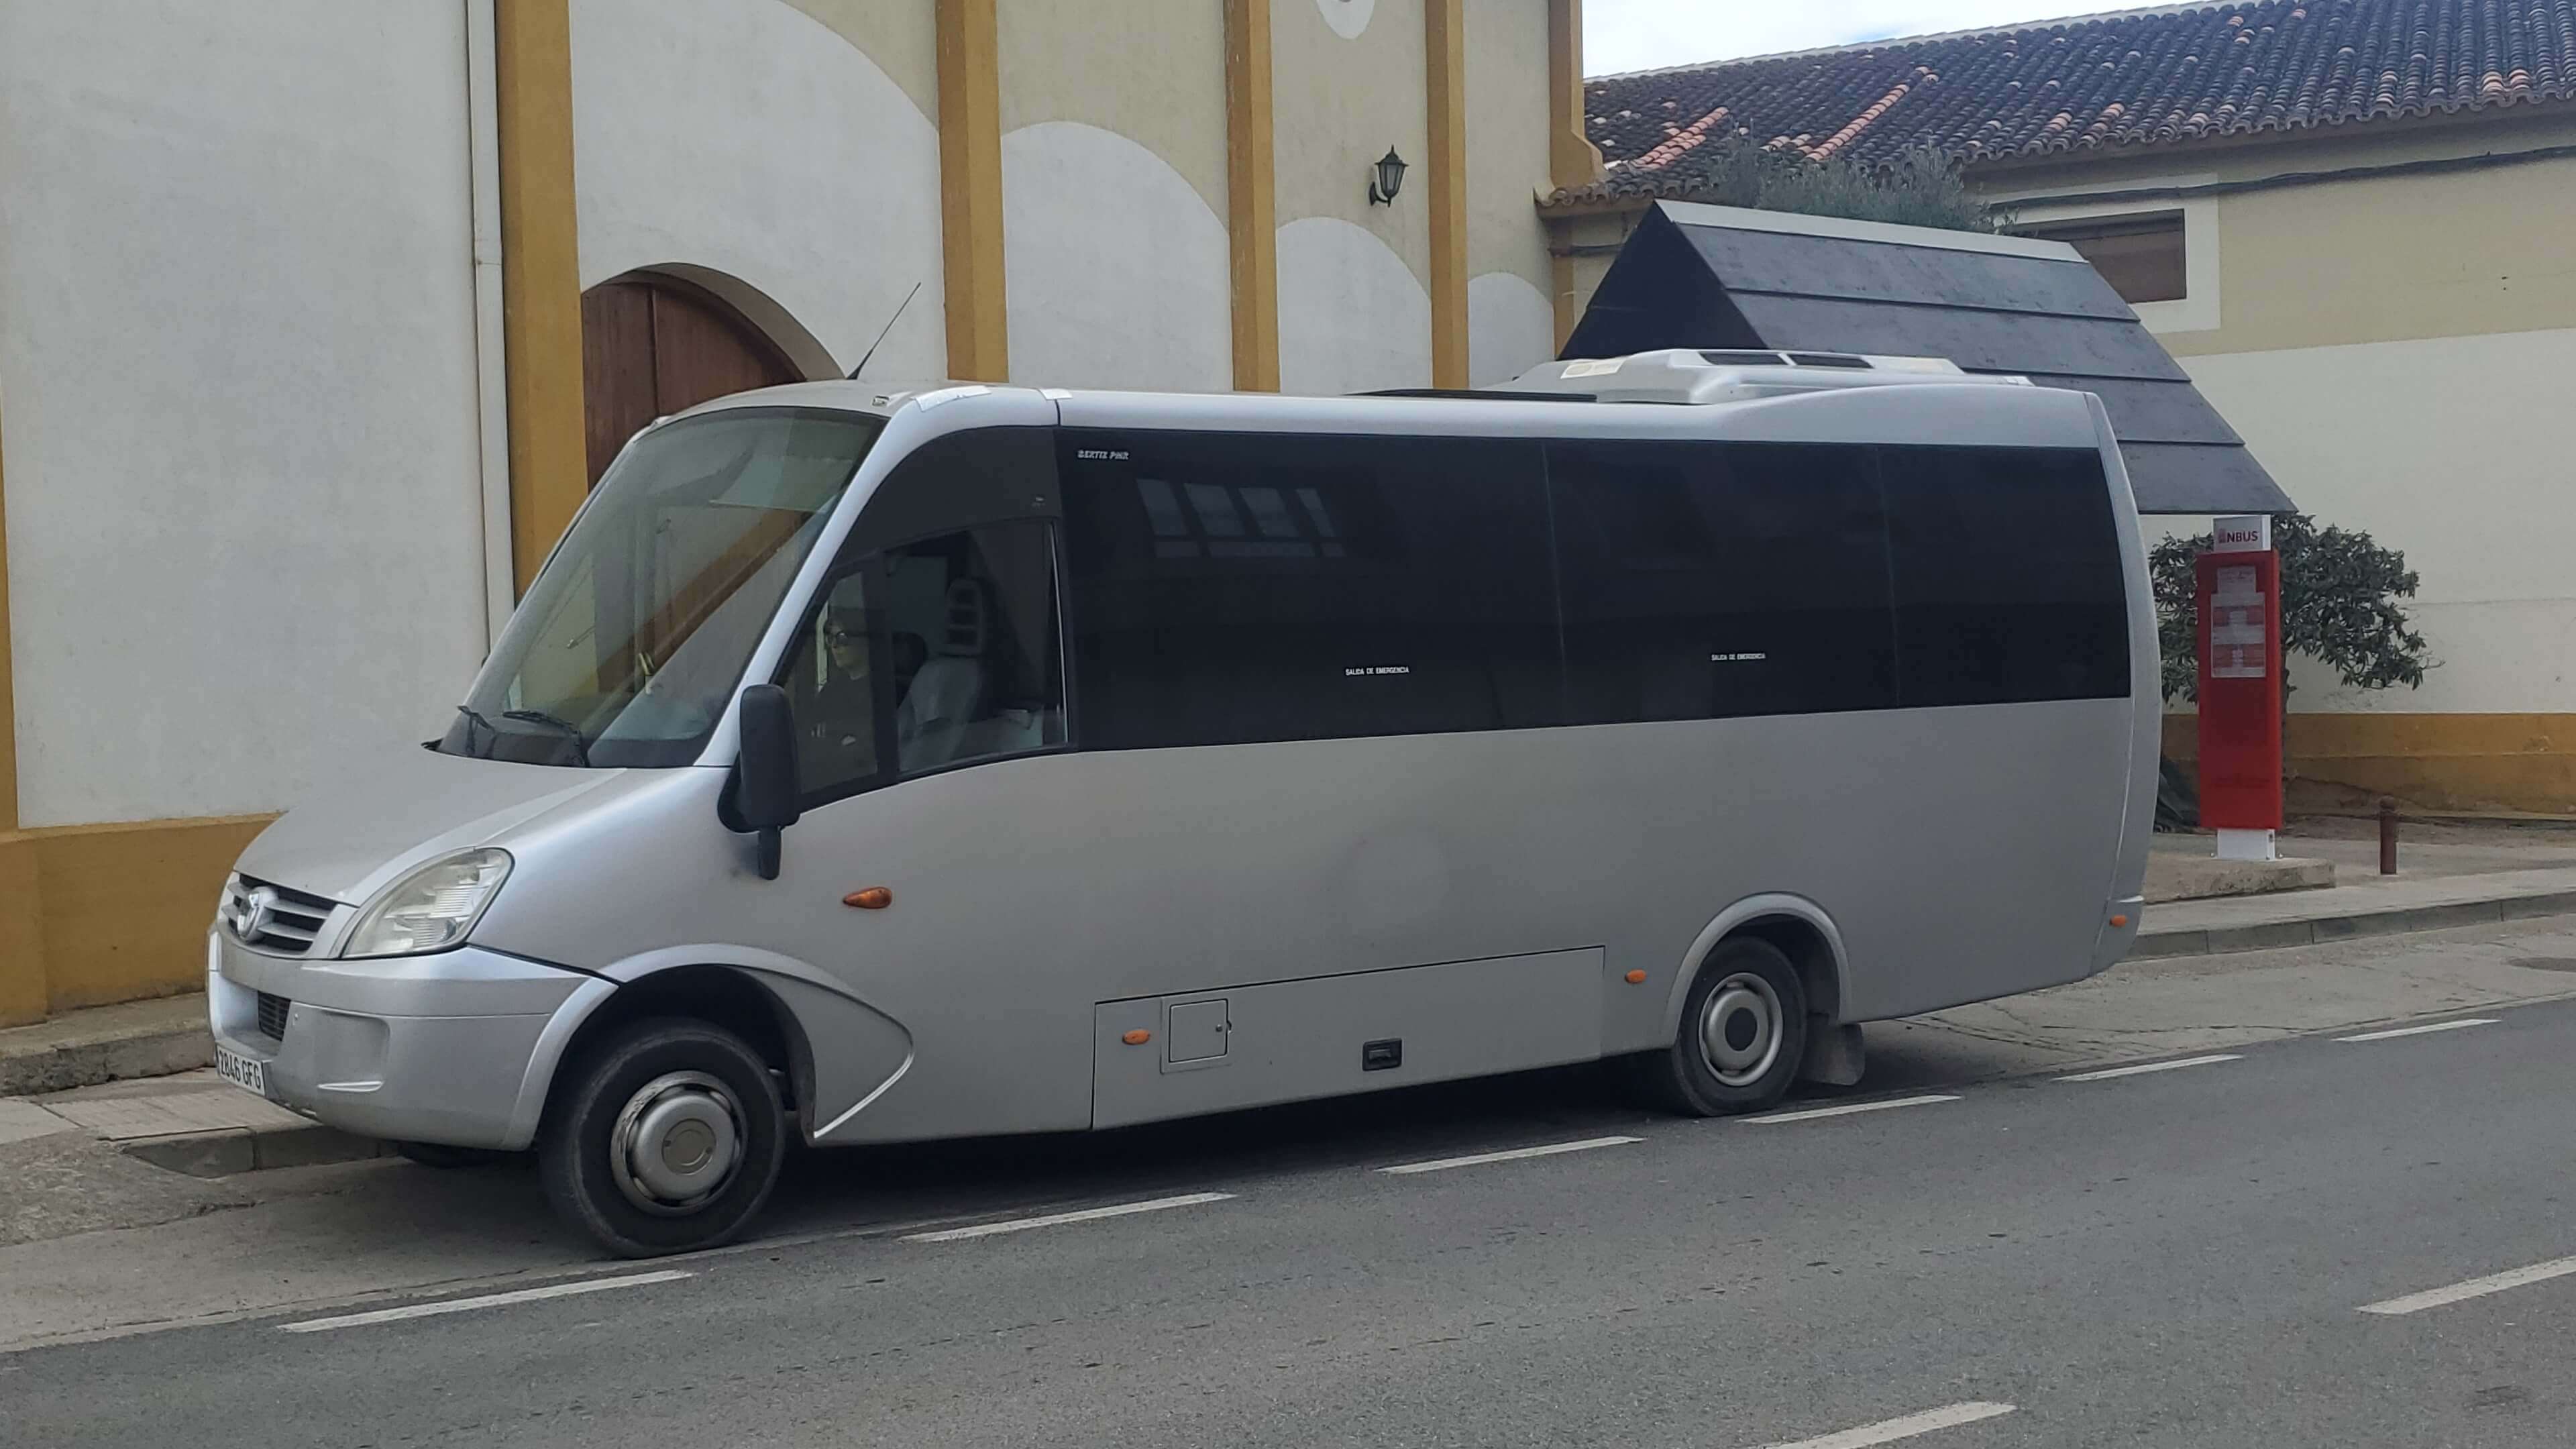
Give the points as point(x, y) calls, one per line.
point(2361, 905)
point(2454, 852)
point(193, 1122)
point(2185, 1004)
point(101, 1158)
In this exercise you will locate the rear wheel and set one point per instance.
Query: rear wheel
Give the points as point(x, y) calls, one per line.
point(665, 1137)
point(1743, 1033)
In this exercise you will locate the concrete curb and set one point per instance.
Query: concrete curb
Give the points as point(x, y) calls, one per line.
point(158, 1052)
point(2272, 935)
point(2173, 878)
point(230, 1150)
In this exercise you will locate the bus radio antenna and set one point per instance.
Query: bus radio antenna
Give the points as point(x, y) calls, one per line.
point(889, 327)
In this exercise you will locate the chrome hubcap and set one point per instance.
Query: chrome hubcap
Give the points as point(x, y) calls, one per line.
point(1739, 1029)
point(677, 1143)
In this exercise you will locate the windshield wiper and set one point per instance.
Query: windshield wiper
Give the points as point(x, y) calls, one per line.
point(473, 718)
point(580, 741)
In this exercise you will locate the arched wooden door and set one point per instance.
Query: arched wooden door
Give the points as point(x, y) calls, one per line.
point(652, 345)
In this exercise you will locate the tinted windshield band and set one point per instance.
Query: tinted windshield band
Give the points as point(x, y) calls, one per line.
point(629, 646)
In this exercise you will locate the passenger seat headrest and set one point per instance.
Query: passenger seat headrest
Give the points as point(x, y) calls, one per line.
point(962, 636)
point(910, 652)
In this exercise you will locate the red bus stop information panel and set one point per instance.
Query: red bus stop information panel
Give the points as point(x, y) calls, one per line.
point(2240, 684)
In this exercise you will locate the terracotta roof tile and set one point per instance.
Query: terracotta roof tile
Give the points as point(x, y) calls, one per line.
point(2145, 78)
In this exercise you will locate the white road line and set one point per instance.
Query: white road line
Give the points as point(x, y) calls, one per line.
point(1020, 1225)
point(1445, 1163)
point(2420, 1030)
point(2475, 1287)
point(2104, 1076)
point(1890, 1430)
point(1812, 1113)
point(488, 1300)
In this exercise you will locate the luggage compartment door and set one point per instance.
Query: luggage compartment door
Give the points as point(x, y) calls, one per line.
point(1155, 1057)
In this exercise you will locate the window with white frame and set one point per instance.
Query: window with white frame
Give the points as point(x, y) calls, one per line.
point(2142, 257)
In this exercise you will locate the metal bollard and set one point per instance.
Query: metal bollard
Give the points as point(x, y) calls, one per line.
point(2387, 836)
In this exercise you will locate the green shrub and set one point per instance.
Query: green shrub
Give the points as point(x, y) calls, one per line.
point(2340, 605)
point(1922, 187)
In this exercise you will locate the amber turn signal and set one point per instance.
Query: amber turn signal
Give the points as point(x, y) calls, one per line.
point(874, 898)
point(2119, 921)
point(1138, 1037)
point(1636, 978)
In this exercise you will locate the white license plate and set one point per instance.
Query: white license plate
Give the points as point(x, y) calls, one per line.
point(244, 1072)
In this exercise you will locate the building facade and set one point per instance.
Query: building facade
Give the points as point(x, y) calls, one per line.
point(2347, 219)
point(318, 319)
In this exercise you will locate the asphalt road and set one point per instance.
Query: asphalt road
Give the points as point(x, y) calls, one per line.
point(2183, 1257)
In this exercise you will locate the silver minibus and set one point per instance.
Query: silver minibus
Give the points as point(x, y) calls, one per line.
point(873, 766)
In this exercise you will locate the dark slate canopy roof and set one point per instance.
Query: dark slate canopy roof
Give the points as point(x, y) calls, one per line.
point(1720, 277)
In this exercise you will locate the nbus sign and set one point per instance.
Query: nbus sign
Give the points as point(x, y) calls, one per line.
point(2242, 535)
point(2239, 598)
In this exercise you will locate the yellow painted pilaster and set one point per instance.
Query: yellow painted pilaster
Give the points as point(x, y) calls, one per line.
point(1445, 87)
point(1251, 196)
point(1572, 158)
point(540, 276)
point(970, 190)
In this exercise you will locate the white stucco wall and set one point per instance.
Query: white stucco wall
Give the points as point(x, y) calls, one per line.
point(2453, 450)
point(1507, 167)
point(1347, 17)
point(1117, 268)
point(1352, 317)
point(237, 352)
point(1510, 328)
point(747, 137)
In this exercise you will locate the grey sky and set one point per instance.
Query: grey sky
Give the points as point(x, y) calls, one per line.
point(1621, 35)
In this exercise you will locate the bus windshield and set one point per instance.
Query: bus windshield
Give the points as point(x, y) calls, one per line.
point(631, 642)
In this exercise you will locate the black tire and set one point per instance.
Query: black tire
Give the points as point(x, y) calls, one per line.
point(442, 1156)
point(673, 1084)
point(1688, 1078)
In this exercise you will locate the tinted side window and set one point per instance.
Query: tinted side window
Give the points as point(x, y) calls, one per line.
point(970, 622)
point(834, 687)
point(1230, 588)
point(1708, 580)
point(938, 652)
point(988, 475)
point(2008, 579)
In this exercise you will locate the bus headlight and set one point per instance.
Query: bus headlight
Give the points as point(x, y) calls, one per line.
point(432, 908)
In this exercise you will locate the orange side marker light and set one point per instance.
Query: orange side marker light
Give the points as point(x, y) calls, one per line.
point(873, 898)
point(2119, 921)
point(1636, 978)
point(1138, 1037)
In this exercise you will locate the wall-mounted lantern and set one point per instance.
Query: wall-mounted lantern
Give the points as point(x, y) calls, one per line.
point(1386, 179)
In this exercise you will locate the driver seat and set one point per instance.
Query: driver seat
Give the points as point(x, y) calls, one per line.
point(950, 690)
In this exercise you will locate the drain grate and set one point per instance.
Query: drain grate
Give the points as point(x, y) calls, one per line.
point(2544, 963)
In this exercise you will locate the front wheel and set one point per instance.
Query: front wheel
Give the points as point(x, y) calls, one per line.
point(1743, 1033)
point(664, 1137)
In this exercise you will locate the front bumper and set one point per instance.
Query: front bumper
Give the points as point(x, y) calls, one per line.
point(456, 1047)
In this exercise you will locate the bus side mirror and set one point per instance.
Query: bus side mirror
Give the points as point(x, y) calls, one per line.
point(765, 788)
